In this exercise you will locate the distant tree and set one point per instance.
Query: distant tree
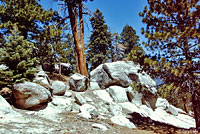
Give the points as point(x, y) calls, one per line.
point(100, 39)
point(173, 35)
point(129, 38)
point(71, 53)
point(115, 51)
point(52, 48)
point(17, 54)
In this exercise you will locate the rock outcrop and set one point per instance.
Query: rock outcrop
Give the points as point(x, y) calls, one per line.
point(121, 73)
point(110, 98)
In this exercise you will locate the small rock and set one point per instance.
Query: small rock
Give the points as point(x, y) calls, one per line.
point(79, 99)
point(59, 88)
point(162, 103)
point(88, 109)
point(122, 121)
point(30, 112)
point(42, 78)
point(100, 126)
point(68, 94)
point(87, 99)
point(85, 115)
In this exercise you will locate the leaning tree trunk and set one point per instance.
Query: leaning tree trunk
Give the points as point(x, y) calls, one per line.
point(79, 44)
point(196, 108)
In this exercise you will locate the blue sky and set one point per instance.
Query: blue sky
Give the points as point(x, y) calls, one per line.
point(117, 13)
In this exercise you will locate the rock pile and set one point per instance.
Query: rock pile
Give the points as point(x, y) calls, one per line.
point(109, 97)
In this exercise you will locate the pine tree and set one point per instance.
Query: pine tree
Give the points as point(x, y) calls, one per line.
point(52, 48)
point(129, 38)
point(173, 35)
point(71, 53)
point(137, 55)
point(27, 15)
point(98, 48)
point(17, 54)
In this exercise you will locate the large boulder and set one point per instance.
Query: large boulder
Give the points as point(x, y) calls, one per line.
point(30, 94)
point(118, 94)
point(78, 82)
point(59, 88)
point(122, 73)
point(5, 107)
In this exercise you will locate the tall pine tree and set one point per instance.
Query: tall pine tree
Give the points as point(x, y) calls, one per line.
point(129, 38)
point(173, 34)
point(17, 54)
point(100, 40)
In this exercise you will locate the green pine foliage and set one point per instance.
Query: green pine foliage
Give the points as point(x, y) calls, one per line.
point(100, 40)
point(129, 38)
point(41, 27)
point(71, 53)
point(52, 49)
point(27, 15)
point(137, 55)
point(17, 54)
point(173, 36)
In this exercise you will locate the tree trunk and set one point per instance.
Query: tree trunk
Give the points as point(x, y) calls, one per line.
point(196, 108)
point(81, 63)
point(84, 70)
point(60, 69)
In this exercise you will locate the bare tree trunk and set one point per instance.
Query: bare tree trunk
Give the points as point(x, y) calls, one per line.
point(84, 69)
point(80, 55)
point(60, 65)
point(196, 108)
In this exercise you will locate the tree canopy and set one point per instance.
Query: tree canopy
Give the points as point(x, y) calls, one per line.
point(27, 15)
point(172, 29)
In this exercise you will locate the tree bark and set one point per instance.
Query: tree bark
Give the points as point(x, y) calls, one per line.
point(84, 70)
point(196, 108)
point(79, 44)
point(60, 69)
